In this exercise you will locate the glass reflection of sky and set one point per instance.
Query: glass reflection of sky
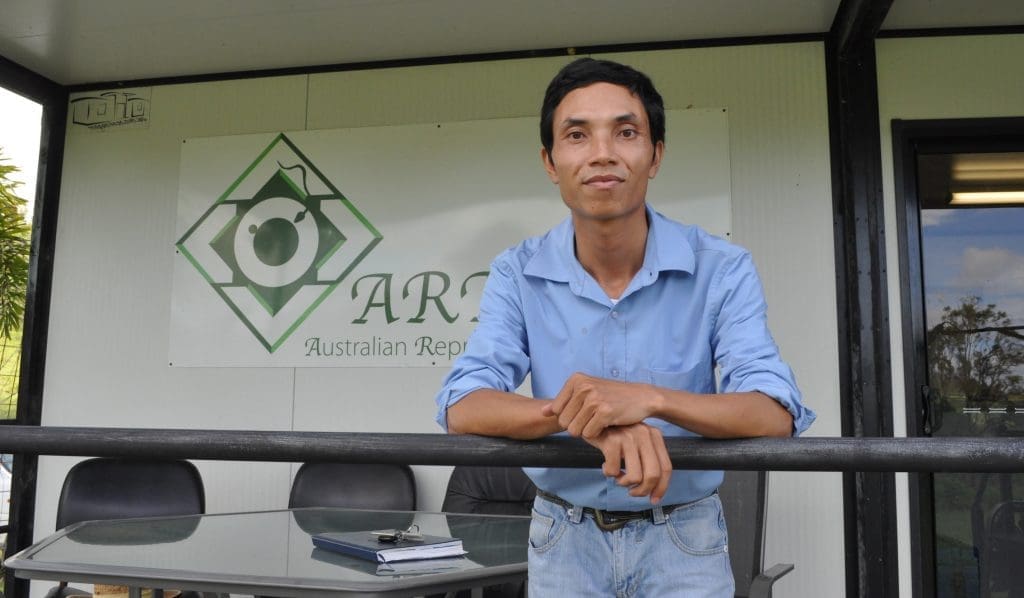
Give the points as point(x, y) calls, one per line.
point(974, 252)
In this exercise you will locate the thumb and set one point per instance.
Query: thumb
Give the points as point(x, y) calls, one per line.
point(553, 407)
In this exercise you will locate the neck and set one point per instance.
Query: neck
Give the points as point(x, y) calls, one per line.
point(612, 251)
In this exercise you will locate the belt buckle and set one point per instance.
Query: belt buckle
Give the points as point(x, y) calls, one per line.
point(608, 526)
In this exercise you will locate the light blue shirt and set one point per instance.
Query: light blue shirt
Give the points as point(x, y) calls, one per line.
point(696, 304)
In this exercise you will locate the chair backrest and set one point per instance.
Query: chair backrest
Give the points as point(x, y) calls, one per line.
point(489, 491)
point(388, 487)
point(105, 488)
point(743, 495)
point(1001, 551)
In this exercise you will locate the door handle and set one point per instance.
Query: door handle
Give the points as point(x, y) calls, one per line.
point(926, 410)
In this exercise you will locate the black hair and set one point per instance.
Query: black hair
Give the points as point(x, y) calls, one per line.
point(587, 71)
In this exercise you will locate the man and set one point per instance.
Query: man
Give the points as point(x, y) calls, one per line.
point(621, 317)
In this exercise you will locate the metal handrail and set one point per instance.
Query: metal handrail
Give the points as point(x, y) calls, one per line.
point(771, 454)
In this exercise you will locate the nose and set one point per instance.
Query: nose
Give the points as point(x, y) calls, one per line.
point(603, 149)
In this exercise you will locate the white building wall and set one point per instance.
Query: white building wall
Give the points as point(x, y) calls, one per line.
point(923, 78)
point(107, 359)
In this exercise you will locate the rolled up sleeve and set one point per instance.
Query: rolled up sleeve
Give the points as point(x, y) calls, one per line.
point(743, 346)
point(496, 355)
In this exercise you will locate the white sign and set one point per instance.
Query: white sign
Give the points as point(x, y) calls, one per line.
point(370, 246)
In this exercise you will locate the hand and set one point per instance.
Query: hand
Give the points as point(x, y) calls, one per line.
point(637, 457)
point(587, 405)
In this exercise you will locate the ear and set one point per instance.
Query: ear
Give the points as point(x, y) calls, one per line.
point(659, 151)
point(549, 165)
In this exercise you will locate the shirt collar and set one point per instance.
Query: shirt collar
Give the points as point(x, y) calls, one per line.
point(667, 249)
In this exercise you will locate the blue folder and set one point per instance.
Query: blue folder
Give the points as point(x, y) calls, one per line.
point(367, 546)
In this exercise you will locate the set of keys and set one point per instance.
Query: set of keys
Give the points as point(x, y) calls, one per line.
point(392, 536)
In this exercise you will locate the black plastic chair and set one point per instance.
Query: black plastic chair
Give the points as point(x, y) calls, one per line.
point(386, 487)
point(103, 488)
point(744, 497)
point(488, 491)
point(1001, 551)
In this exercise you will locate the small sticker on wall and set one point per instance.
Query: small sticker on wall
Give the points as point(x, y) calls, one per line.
point(111, 109)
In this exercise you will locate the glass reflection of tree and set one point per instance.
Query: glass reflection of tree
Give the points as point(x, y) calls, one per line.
point(975, 358)
point(975, 361)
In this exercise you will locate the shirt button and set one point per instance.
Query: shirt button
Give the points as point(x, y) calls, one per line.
point(615, 372)
point(615, 315)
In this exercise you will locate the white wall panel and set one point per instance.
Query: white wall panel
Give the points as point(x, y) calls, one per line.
point(453, 92)
point(107, 347)
point(934, 77)
point(108, 337)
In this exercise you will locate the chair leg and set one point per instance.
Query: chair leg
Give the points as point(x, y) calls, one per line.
point(761, 586)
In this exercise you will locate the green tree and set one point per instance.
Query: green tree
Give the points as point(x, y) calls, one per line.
point(15, 246)
point(975, 352)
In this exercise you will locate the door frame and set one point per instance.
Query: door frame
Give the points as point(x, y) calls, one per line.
point(909, 138)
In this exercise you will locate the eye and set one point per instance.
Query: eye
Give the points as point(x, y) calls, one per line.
point(575, 135)
point(629, 133)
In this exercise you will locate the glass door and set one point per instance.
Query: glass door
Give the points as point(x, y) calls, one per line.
point(972, 263)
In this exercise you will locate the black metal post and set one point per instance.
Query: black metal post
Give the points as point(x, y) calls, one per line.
point(54, 101)
point(869, 500)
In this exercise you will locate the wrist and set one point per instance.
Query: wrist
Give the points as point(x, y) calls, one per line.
point(656, 402)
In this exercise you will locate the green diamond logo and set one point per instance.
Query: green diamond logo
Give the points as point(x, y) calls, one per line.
point(277, 242)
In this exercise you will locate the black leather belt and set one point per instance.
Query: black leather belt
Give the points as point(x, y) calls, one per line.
point(608, 521)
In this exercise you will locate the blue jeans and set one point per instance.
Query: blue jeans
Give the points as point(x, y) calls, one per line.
point(684, 554)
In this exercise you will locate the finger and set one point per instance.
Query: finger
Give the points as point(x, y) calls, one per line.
point(569, 418)
point(666, 470)
point(650, 463)
point(581, 420)
point(597, 420)
point(634, 472)
point(612, 458)
point(563, 396)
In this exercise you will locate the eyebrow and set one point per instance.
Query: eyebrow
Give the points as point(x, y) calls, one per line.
point(629, 117)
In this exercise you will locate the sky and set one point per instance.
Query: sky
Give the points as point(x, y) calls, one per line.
point(974, 252)
point(19, 141)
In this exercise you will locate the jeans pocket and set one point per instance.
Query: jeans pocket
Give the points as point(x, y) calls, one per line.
point(544, 531)
point(699, 528)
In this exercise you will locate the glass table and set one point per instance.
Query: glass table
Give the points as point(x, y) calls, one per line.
point(271, 553)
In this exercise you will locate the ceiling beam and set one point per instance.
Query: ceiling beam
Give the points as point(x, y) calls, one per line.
point(28, 83)
point(857, 23)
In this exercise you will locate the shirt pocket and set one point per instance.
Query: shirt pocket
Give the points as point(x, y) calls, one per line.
point(699, 378)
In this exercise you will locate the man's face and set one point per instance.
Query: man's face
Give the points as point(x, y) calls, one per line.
point(602, 155)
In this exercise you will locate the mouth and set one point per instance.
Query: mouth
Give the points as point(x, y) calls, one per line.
point(603, 181)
